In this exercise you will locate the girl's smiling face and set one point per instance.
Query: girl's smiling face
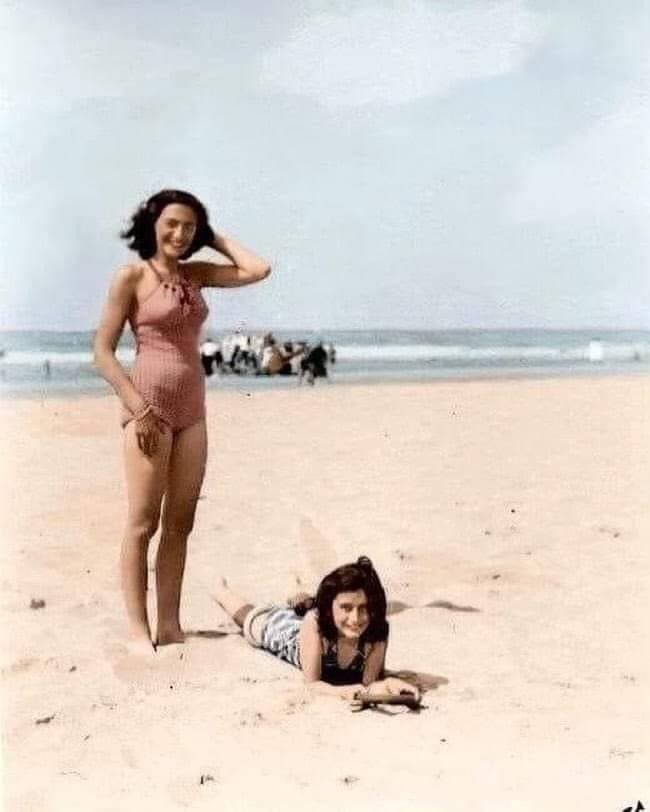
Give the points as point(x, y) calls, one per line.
point(350, 614)
point(175, 230)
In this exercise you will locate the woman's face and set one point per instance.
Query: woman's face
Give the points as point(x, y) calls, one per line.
point(175, 230)
point(350, 614)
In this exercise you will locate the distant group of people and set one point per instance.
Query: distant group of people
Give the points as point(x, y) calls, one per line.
point(264, 355)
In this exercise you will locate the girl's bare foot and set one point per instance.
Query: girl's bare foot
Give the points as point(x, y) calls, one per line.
point(220, 592)
point(233, 605)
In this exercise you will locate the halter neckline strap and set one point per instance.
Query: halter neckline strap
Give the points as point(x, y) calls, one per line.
point(180, 281)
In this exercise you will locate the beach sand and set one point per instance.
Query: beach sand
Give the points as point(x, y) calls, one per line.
point(509, 521)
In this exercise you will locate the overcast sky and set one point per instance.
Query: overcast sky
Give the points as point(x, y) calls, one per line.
point(403, 164)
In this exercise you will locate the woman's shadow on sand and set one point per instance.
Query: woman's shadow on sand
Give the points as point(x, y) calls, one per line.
point(209, 634)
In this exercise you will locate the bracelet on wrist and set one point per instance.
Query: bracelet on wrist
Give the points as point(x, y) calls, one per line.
point(143, 412)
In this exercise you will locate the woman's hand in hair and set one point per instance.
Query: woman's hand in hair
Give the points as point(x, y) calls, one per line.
point(246, 269)
point(207, 236)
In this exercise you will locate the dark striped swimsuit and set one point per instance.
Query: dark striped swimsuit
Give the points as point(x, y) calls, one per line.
point(331, 671)
point(280, 637)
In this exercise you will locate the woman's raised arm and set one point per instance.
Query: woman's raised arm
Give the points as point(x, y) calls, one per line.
point(246, 269)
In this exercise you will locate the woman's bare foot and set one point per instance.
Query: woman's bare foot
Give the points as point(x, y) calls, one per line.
point(168, 637)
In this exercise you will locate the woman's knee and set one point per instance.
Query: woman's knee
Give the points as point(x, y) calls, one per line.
point(141, 529)
point(178, 527)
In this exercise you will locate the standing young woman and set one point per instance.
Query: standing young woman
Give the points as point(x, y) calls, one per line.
point(163, 399)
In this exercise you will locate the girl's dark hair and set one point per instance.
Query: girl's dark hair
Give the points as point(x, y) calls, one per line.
point(141, 236)
point(350, 578)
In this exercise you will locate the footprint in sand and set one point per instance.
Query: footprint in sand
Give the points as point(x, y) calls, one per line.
point(610, 531)
point(149, 671)
point(320, 553)
point(20, 666)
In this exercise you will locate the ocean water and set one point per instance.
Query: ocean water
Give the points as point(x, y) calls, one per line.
point(43, 362)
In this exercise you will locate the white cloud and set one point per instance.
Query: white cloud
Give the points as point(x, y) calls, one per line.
point(52, 58)
point(391, 54)
point(604, 170)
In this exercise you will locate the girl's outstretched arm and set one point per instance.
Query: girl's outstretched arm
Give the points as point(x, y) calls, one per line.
point(310, 659)
point(373, 685)
point(310, 643)
point(374, 666)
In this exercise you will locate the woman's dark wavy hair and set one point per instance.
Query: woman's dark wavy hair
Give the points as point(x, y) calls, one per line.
point(349, 578)
point(141, 236)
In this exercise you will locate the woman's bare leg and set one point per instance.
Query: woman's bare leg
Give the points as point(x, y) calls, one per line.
point(145, 480)
point(184, 480)
point(233, 605)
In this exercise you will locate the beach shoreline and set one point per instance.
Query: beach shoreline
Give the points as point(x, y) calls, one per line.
point(508, 519)
point(95, 387)
point(62, 362)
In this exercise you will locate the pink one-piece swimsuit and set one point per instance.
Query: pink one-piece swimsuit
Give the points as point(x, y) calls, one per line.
point(168, 372)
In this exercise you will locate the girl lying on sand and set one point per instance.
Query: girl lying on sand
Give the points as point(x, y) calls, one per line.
point(338, 638)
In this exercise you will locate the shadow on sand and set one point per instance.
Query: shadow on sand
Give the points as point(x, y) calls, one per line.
point(211, 634)
point(425, 682)
point(453, 607)
point(395, 607)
